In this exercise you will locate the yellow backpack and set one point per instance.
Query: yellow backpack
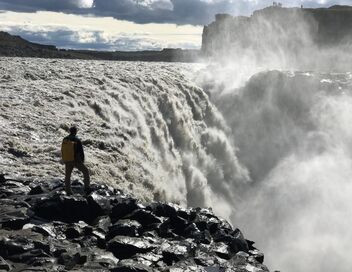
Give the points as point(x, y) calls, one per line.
point(68, 150)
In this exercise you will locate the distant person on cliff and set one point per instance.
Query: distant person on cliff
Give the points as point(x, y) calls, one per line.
point(73, 157)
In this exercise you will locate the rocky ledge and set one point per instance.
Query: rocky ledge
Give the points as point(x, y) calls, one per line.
point(43, 229)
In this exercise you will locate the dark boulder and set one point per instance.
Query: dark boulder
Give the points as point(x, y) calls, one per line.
point(2, 178)
point(203, 237)
point(174, 252)
point(178, 225)
point(73, 232)
point(183, 213)
point(45, 229)
point(4, 266)
point(101, 239)
point(257, 255)
point(124, 228)
point(131, 266)
point(49, 208)
point(71, 259)
point(87, 241)
point(239, 259)
point(238, 243)
point(163, 209)
point(187, 265)
point(145, 218)
point(14, 246)
point(64, 208)
point(122, 206)
point(102, 223)
point(164, 230)
point(98, 205)
point(100, 260)
point(28, 256)
point(37, 190)
point(149, 258)
point(60, 246)
point(75, 209)
point(222, 235)
point(222, 250)
point(13, 217)
point(125, 247)
point(206, 220)
point(204, 257)
point(43, 262)
point(13, 188)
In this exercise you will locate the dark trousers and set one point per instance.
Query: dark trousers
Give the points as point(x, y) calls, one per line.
point(69, 166)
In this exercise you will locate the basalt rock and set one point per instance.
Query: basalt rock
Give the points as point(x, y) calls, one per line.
point(122, 206)
point(4, 266)
point(102, 223)
point(129, 228)
point(145, 218)
point(176, 251)
point(131, 266)
point(99, 205)
point(43, 229)
point(124, 247)
point(14, 217)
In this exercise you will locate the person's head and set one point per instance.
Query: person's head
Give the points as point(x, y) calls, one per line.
point(73, 130)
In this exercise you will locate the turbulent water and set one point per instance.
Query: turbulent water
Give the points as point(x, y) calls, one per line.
point(273, 154)
point(146, 127)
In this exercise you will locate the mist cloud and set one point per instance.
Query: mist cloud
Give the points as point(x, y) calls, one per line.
point(195, 12)
point(288, 103)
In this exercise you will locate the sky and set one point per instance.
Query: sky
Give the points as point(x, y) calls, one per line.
point(125, 25)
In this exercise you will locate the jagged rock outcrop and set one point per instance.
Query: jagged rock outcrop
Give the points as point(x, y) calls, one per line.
point(43, 229)
point(277, 28)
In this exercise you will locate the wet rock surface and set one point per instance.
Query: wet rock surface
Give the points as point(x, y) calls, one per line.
point(43, 229)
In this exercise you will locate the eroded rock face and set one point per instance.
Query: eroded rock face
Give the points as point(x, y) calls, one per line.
point(42, 229)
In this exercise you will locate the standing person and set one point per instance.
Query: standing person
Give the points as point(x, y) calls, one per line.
point(73, 157)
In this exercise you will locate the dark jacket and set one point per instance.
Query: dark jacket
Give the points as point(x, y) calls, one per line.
point(79, 153)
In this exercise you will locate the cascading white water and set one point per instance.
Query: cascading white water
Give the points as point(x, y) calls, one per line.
point(147, 128)
point(273, 154)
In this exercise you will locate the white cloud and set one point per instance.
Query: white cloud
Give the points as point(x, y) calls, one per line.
point(79, 32)
point(155, 4)
point(85, 3)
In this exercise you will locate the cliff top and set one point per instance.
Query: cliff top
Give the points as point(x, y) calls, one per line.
point(270, 9)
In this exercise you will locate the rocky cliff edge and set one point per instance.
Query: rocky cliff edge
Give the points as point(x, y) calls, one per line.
point(43, 229)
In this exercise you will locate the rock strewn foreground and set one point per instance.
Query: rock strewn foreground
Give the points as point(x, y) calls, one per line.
point(43, 229)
